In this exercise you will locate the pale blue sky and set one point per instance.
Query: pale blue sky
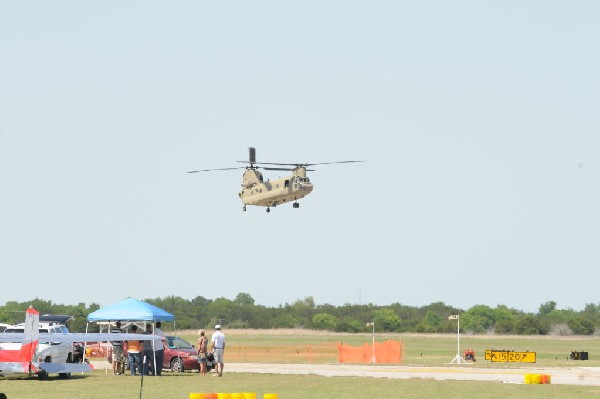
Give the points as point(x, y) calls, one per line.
point(479, 120)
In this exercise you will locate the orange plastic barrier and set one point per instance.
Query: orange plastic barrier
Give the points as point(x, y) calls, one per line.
point(385, 352)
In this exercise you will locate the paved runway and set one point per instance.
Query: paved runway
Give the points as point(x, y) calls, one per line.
point(568, 376)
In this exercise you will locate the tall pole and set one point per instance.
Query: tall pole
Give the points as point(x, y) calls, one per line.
point(372, 324)
point(457, 359)
point(373, 350)
point(458, 336)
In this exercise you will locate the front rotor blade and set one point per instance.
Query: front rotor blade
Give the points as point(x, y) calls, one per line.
point(280, 164)
point(288, 169)
point(210, 170)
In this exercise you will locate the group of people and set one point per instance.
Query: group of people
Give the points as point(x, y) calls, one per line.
point(217, 348)
point(142, 354)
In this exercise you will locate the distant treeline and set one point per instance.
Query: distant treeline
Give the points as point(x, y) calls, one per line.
point(243, 312)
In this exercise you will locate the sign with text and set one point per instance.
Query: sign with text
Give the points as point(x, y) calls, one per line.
point(510, 356)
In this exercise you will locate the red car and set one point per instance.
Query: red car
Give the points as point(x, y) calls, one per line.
point(180, 355)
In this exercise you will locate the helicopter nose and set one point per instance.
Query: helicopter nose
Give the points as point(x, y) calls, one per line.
point(307, 187)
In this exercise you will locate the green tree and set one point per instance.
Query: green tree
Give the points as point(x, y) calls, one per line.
point(284, 320)
point(478, 319)
point(349, 325)
point(244, 299)
point(324, 321)
point(547, 307)
point(581, 326)
point(431, 322)
point(530, 325)
point(386, 320)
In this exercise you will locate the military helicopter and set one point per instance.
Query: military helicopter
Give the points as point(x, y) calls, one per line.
point(258, 192)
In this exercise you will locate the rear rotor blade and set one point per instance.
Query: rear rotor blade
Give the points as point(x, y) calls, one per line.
point(329, 163)
point(289, 169)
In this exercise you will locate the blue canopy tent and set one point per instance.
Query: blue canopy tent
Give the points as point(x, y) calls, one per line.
point(131, 310)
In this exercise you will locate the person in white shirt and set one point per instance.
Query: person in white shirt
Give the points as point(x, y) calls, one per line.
point(217, 348)
point(159, 349)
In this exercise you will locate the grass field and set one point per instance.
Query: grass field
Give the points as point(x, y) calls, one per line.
point(293, 346)
point(304, 346)
point(172, 386)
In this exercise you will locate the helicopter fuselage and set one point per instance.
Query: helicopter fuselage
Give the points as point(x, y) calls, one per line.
point(256, 191)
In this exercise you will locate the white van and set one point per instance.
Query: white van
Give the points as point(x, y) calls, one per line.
point(47, 352)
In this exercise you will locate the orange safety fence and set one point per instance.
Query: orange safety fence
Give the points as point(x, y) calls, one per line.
point(385, 352)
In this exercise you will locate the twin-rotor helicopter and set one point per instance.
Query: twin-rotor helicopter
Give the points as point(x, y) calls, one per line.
point(270, 193)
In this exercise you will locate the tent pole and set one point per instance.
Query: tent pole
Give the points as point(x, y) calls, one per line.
point(85, 343)
point(156, 366)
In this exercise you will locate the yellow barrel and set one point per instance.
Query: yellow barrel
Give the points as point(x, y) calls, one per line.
point(270, 396)
point(195, 396)
point(249, 395)
point(236, 395)
point(223, 395)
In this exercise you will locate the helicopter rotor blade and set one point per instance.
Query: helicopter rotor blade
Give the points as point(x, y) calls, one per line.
point(252, 154)
point(329, 163)
point(211, 170)
point(302, 164)
point(288, 169)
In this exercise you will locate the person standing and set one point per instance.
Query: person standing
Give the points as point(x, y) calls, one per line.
point(148, 353)
point(217, 348)
point(159, 349)
point(134, 352)
point(117, 351)
point(202, 345)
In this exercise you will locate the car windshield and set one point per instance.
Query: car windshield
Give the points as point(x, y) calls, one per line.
point(176, 342)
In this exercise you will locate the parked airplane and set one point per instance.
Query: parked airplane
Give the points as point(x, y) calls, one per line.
point(21, 361)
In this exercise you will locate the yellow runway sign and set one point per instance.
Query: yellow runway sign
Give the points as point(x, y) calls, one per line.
point(510, 356)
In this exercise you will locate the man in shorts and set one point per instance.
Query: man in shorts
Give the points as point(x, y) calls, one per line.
point(217, 348)
point(117, 351)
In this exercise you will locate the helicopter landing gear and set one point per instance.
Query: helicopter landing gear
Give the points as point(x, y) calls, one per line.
point(244, 208)
point(296, 205)
point(268, 209)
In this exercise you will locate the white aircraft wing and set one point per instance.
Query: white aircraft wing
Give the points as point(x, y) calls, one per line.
point(95, 337)
point(55, 368)
point(79, 337)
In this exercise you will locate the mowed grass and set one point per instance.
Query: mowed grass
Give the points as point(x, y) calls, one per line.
point(178, 386)
point(305, 346)
point(297, 346)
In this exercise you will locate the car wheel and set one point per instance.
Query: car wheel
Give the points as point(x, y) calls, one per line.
point(42, 375)
point(64, 376)
point(177, 365)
